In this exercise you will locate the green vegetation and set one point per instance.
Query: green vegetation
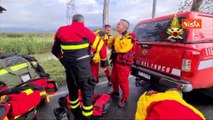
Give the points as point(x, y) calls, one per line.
point(52, 66)
point(38, 45)
point(56, 71)
point(26, 43)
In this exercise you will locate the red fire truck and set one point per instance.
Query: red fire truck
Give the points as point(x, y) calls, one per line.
point(168, 55)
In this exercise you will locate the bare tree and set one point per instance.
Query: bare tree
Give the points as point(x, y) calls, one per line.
point(106, 12)
point(185, 5)
point(196, 5)
point(205, 6)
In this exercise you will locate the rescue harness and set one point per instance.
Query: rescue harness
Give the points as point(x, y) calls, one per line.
point(126, 59)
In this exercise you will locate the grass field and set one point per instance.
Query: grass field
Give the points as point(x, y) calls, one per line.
point(37, 45)
point(26, 43)
point(56, 71)
point(52, 66)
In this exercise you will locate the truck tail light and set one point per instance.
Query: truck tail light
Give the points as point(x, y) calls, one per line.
point(186, 65)
point(190, 62)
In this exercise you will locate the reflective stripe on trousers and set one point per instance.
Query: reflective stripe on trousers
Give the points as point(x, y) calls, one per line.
point(87, 110)
point(75, 103)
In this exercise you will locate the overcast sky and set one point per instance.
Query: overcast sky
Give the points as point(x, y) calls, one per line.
point(50, 14)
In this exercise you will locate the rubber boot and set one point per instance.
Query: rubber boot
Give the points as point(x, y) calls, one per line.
point(63, 102)
point(77, 113)
point(89, 118)
point(60, 113)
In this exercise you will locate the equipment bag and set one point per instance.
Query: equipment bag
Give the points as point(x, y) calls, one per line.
point(22, 99)
point(4, 110)
point(50, 87)
point(16, 69)
point(101, 104)
point(30, 115)
point(3, 87)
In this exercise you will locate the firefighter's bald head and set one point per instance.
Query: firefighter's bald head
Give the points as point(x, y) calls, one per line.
point(78, 18)
point(122, 26)
point(125, 23)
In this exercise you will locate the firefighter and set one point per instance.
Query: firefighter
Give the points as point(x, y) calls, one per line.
point(105, 36)
point(72, 46)
point(100, 56)
point(167, 105)
point(107, 29)
point(122, 58)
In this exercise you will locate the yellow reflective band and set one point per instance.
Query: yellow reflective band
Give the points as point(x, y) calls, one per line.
point(87, 113)
point(3, 71)
point(34, 63)
point(28, 91)
point(74, 101)
point(17, 116)
point(2, 98)
point(18, 67)
point(88, 107)
point(74, 47)
point(100, 45)
point(14, 68)
point(47, 98)
point(75, 106)
point(43, 93)
point(6, 118)
point(97, 31)
point(95, 43)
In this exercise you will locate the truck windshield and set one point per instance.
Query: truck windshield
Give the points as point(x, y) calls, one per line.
point(155, 31)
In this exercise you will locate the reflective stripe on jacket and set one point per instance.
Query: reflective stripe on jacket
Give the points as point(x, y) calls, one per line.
point(100, 52)
point(70, 39)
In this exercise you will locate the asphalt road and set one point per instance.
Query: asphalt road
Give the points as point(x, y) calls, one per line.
point(201, 102)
